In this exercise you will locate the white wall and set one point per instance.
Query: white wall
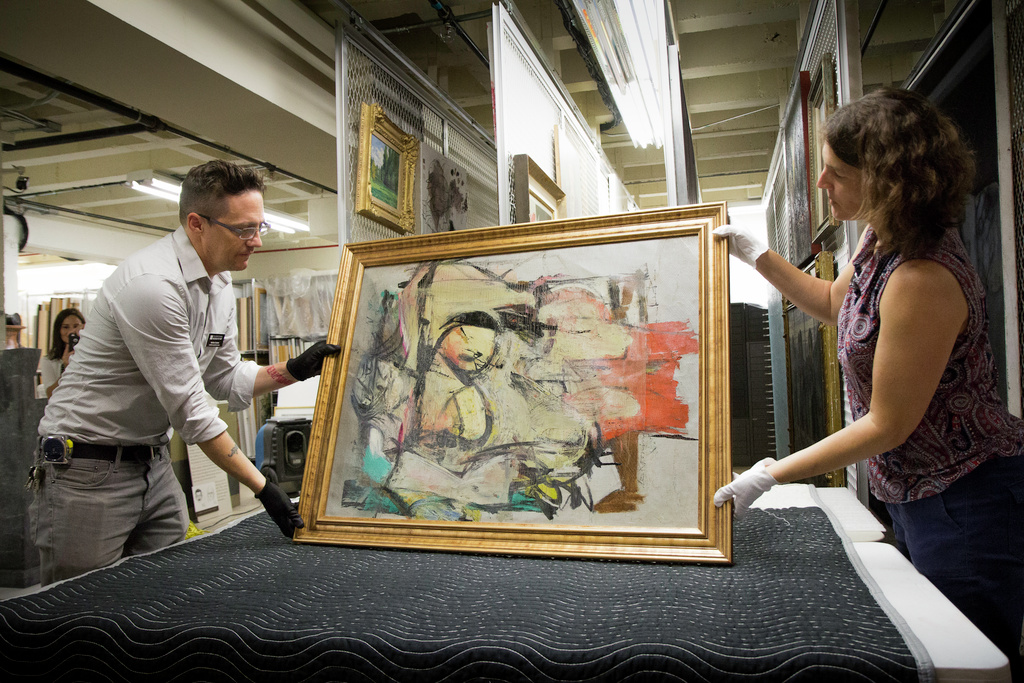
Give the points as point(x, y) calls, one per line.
point(745, 285)
point(263, 264)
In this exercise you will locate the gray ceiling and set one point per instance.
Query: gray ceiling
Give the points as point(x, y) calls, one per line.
point(737, 60)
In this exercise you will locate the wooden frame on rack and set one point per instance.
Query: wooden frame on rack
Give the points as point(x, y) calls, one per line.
point(815, 381)
point(798, 174)
point(537, 196)
point(821, 104)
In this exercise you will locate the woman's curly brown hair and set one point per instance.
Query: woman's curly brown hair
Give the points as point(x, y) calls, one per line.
point(916, 169)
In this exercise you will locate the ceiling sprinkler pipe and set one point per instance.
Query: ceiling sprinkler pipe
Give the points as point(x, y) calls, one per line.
point(448, 17)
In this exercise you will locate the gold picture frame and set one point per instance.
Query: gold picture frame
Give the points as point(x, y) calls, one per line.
point(551, 389)
point(385, 176)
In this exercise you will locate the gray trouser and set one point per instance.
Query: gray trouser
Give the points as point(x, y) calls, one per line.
point(91, 513)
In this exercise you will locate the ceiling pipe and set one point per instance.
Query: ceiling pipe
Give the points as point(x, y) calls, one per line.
point(25, 72)
point(81, 136)
point(483, 14)
point(62, 190)
point(871, 28)
point(449, 19)
point(147, 120)
point(49, 208)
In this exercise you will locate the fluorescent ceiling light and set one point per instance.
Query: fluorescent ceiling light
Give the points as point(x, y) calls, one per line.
point(158, 188)
point(281, 221)
point(148, 183)
point(53, 280)
point(628, 38)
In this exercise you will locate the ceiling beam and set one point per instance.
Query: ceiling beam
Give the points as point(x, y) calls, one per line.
point(727, 20)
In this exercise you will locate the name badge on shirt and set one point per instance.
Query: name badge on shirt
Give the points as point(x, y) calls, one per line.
point(215, 340)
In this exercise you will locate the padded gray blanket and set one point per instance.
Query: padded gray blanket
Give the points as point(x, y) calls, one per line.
point(246, 604)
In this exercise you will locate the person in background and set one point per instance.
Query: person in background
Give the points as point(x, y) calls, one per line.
point(943, 452)
point(69, 321)
point(161, 336)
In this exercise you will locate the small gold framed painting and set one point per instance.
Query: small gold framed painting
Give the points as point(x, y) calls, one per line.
point(386, 172)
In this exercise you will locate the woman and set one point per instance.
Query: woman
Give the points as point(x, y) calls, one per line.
point(69, 321)
point(943, 452)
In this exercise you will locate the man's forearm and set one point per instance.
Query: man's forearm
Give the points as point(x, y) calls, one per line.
point(271, 378)
point(226, 454)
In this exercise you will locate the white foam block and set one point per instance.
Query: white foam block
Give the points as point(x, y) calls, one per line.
point(958, 650)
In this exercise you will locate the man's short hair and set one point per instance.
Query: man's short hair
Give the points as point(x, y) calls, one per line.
point(207, 185)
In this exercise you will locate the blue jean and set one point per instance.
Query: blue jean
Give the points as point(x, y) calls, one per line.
point(969, 542)
point(91, 513)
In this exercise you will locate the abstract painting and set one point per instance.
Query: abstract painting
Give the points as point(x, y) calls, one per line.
point(444, 193)
point(554, 388)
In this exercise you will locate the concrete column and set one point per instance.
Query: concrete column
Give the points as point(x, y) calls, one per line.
point(20, 412)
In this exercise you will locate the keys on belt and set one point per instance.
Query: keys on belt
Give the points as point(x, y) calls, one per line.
point(36, 474)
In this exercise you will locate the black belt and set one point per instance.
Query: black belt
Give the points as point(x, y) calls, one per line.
point(95, 452)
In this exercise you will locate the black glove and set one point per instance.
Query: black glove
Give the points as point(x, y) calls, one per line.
point(308, 363)
point(280, 507)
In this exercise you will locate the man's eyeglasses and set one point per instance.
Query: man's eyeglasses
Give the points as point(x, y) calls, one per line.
point(246, 233)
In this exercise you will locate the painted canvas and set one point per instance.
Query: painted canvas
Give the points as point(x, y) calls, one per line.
point(384, 172)
point(564, 386)
point(519, 387)
point(444, 193)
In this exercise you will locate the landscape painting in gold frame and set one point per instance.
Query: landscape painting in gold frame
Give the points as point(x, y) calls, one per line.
point(386, 170)
point(551, 389)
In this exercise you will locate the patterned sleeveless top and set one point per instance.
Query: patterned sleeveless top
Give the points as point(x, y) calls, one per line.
point(966, 423)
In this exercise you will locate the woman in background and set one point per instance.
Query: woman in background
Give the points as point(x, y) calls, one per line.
point(943, 452)
point(68, 322)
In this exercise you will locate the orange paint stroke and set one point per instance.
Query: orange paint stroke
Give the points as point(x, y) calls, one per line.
point(647, 374)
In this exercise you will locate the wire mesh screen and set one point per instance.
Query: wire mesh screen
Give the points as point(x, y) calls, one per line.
point(530, 113)
point(581, 176)
point(777, 213)
point(482, 169)
point(781, 218)
point(368, 81)
point(795, 144)
point(825, 40)
point(606, 199)
point(786, 208)
point(1015, 60)
point(777, 218)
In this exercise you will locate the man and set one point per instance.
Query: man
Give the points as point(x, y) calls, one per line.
point(161, 334)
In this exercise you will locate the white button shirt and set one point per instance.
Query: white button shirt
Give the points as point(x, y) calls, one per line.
point(161, 334)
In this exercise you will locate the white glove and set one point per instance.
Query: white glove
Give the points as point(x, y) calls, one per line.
point(746, 488)
point(743, 244)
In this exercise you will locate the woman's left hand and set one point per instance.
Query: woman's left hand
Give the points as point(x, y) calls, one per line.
point(746, 488)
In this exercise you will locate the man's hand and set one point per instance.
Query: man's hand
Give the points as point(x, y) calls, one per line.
point(746, 488)
point(743, 244)
point(308, 363)
point(280, 507)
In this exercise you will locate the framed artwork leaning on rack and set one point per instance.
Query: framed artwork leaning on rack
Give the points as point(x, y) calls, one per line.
point(556, 388)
